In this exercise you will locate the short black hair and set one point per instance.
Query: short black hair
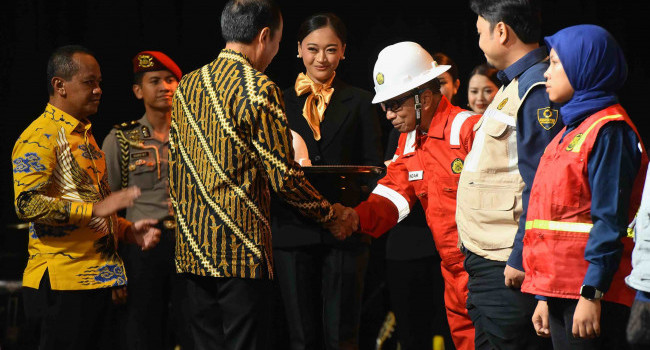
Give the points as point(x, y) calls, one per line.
point(444, 60)
point(488, 71)
point(241, 20)
point(321, 20)
point(523, 16)
point(61, 64)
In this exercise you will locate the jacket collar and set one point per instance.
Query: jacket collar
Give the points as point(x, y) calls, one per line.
point(235, 55)
point(522, 65)
point(440, 118)
point(436, 128)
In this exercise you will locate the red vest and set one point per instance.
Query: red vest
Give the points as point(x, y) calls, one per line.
point(559, 215)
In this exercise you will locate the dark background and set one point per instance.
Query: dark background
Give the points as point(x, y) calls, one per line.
point(188, 31)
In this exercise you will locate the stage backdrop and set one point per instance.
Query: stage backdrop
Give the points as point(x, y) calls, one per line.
point(189, 32)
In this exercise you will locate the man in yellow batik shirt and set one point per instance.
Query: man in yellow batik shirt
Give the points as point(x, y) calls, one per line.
point(73, 269)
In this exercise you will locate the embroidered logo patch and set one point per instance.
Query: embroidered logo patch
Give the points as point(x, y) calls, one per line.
point(145, 61)
point(457, 166)
point(502, 103)
point(576, 140)
point(380, 78)
point(547, 117)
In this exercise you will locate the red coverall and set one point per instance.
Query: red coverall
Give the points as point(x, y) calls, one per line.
point(427, 167)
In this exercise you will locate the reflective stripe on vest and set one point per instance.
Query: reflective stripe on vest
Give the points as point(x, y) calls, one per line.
point(566, 226)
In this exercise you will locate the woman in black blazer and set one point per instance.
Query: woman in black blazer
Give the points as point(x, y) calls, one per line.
point(321, 279)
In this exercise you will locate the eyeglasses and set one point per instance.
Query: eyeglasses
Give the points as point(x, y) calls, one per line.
point(395, 105)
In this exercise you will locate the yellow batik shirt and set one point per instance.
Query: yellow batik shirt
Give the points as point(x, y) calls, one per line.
point(229, 141)
point(59, 172)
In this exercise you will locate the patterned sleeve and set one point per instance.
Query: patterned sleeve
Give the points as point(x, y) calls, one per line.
point(34, 159)
point(272, 140)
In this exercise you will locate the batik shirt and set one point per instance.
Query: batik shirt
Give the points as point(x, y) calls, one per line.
point(229, 144)
point(59, 172)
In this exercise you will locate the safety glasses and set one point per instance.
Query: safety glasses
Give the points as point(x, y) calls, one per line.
point(395, 105)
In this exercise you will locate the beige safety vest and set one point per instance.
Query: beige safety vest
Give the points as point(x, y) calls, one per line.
point(489, 192)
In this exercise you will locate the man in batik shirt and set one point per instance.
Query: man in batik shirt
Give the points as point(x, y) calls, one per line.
point(230, 145)
point(60, 188)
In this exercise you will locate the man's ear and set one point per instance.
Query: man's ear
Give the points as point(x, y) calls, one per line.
point(456, 86)
point(264, 35)
point(58, 86)
point(427, 99)
point(137, 91)
point(502, 31)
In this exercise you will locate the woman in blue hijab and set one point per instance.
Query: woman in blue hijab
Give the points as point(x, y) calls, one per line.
point(586, 190)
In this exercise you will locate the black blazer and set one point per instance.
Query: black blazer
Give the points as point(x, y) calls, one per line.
point(350, 135)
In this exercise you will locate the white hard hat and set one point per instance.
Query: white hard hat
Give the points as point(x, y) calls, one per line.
point(402, 67)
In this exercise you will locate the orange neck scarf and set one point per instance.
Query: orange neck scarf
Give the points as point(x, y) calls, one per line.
point(317, 101)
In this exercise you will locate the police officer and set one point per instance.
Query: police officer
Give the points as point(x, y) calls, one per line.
point(136, 155)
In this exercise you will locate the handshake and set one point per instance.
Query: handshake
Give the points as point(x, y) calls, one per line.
point(344, 223)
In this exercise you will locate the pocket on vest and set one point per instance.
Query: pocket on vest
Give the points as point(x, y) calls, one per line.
point(495, 128)
point(493, 215)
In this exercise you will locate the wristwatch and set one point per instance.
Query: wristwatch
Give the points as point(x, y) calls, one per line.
point(590, 292)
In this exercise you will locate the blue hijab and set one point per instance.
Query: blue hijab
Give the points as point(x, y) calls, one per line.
point(595, 66)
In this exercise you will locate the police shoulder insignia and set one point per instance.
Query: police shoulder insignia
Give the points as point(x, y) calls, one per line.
point(457, 166)
point(502, 103)
point(547, 117)
point(576, 140)
point(145, 61)
point(126, 125)
point(380, 78)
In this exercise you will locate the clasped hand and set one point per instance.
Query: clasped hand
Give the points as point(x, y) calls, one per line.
point(345, 222)
point(142, 232)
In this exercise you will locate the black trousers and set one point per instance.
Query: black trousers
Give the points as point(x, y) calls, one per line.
point(416, 291)
point(153, 316)
point(69, 320)
point(229, 313)
point(613, 321)
point(321, 289)
point(501, 315)
point(638, 326)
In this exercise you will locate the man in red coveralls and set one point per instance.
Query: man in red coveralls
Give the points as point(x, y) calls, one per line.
point(436, 137)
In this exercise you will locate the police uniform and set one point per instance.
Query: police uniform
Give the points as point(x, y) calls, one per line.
point(135, 158)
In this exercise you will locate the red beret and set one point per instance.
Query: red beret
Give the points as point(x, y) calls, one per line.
point(149, 61)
